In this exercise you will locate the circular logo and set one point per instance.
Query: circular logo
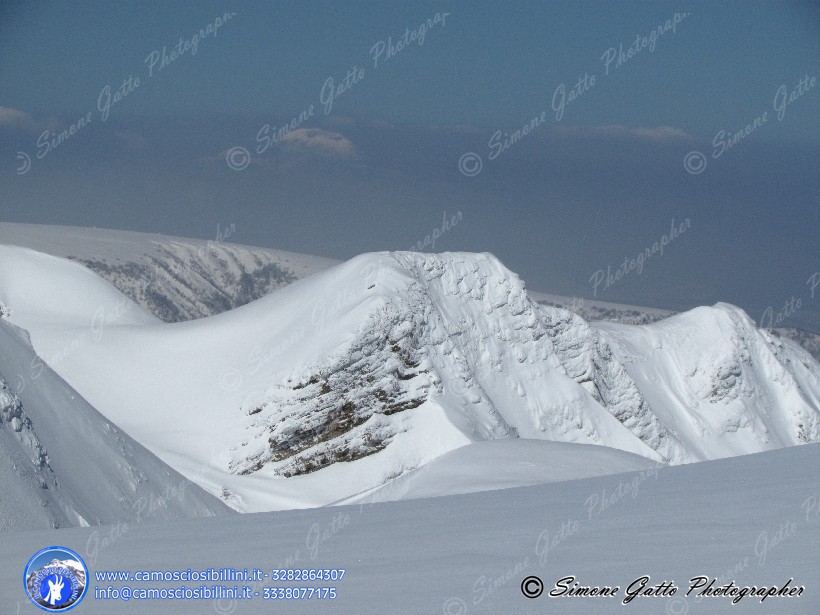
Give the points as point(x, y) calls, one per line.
point(238, 158)
point(55, 579)
point(694, 162)
point(470, 164)
point(25, 163)
point(532, 587)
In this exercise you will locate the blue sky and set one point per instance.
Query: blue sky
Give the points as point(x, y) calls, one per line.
point(573, 196)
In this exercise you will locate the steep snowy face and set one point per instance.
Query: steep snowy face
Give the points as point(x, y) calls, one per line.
point(721, 385)
point(590, 360)
point(26, 478)
point(341, 409)
point(63, 464)
point(531, 369)
point(12, 416)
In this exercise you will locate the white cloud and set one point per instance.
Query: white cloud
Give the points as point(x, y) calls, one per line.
point(316, 140)
point(20, 120)
point(14, 118)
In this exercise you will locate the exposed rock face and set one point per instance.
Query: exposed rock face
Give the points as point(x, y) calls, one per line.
point(182, 282)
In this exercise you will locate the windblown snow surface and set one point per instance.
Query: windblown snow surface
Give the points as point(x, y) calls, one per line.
point(341, 382)
point(753, 520)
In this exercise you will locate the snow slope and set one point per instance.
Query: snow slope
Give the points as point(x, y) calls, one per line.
point(63, 464)
point(503, 464)
point(347, 379)
point(753, 520)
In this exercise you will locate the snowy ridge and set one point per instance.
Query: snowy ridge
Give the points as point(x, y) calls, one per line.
point(461, 334)
point(590, 361)
point(345, 380)
point(723, 383)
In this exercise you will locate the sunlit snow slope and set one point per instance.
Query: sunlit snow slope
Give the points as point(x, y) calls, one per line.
point(340, 382)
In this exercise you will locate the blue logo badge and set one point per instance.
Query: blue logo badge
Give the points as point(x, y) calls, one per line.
point(55, 579)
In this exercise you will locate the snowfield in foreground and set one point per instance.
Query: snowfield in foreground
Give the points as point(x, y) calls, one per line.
point(754, 520)
point(339, 383)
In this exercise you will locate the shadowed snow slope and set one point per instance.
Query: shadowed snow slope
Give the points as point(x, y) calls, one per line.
point(63, 464)
point(343, 381)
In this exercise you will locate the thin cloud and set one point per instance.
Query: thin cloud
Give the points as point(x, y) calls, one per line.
point(131, 139)
point(14, 118)
point(659, 133)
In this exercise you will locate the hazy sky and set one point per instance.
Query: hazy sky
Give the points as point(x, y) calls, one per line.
point(398, 112)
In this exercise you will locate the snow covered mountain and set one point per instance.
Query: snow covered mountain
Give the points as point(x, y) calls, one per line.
point(174, 278)
point(343, 381)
